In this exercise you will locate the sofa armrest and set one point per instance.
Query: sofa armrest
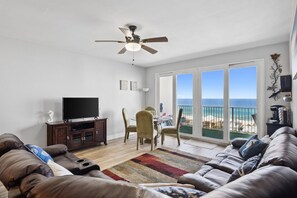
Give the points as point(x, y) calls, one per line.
point(55, 150)
point(15, 192)
point(198, 181)
point(154, 185)
point(238, 142)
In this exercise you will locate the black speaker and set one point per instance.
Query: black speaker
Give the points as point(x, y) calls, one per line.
point(286, 83)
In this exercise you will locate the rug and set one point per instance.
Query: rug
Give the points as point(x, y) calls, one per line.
point(160, 165)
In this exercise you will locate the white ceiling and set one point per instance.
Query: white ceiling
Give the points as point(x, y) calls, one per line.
point(194, 27)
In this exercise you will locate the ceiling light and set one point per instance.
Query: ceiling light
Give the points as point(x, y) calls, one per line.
point(133, 46)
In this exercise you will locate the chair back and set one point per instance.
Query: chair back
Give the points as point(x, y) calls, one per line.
point(145, 124)
point(179, 118)
point(152, 110)
point(125, 117)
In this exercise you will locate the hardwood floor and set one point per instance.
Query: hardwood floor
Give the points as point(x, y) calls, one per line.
point(117, 151)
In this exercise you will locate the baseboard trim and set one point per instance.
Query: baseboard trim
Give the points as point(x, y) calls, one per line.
point(115, 136)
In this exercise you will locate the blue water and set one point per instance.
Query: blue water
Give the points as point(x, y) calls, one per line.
point(250, 103)
point(243, 108)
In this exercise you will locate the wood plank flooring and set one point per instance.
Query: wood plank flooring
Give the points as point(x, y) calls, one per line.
point(117, 151)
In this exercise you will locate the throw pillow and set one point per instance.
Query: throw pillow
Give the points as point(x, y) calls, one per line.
point(173, 191)
point(252, 147)
point(57, 169)
point(238, 142)
point(39, 152)
point(246, 167)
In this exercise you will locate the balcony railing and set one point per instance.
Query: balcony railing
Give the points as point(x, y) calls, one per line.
point(242, 119)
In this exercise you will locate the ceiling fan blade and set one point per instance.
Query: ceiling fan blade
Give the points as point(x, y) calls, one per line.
point(122, 51)
point(127, 33)
point(114, 41)
point(156, 39)
point(150, 50)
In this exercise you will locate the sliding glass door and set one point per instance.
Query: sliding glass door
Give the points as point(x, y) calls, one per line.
point(219, 103)
point(243, 101)
point(212, 104)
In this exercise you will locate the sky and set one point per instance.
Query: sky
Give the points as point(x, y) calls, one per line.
point(242, 84)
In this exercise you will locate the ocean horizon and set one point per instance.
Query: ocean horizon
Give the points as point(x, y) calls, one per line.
point(243, 109)
point(216, 102)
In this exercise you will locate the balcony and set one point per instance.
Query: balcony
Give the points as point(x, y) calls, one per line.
point(242, 121)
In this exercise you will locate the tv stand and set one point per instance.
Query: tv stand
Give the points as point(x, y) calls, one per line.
point(77, 134)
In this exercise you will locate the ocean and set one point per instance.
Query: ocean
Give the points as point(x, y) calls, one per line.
point(239, 108)
point(249, 103)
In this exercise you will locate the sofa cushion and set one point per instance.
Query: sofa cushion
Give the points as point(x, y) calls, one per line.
point(8, 142)
point(85, 187)
point(283, 130)
point(282, 151)
point(266, 182)
point(226, 162)
point(17, 164)
point(231, 150)
point(214, 175)
point(217, 176)
point(30, 182)
point(252, 147)
point(198, 181)
point(39, 152)
point(246, 167)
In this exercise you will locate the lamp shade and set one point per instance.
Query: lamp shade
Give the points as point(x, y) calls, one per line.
point(145, 89)
point(133, 47)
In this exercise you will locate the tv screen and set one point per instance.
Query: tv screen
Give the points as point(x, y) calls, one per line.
point(80, 108)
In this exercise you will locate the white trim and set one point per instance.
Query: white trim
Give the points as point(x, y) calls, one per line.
point(261, 97)
point(115, 136)
point(226, 128)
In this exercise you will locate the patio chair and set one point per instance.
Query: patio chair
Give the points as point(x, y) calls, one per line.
point(172, 129)
point(145, 128)
point(128, 128)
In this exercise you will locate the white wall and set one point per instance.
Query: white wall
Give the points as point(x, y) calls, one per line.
point(231, 57)
point(34, 78)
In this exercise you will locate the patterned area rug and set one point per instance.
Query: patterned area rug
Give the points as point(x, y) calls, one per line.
point(160, 165)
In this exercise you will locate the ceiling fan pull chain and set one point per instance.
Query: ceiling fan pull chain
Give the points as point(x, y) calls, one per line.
point(133, 59)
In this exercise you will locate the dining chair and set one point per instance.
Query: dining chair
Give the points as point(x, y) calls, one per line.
point(128, 128)
point(152, 110)
point(172, 129)
point(145, 128)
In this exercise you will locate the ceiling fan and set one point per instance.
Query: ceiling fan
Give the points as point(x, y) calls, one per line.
point(133, 42)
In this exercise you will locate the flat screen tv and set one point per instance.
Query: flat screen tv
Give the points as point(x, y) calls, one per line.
point(80, 108)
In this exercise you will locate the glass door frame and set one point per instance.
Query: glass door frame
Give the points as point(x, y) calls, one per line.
point(224, 68)
point(174, 102)
point(260, 105)
point(197, 96)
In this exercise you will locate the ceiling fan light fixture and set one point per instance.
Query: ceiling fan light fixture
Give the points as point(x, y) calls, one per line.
point(133, 46)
